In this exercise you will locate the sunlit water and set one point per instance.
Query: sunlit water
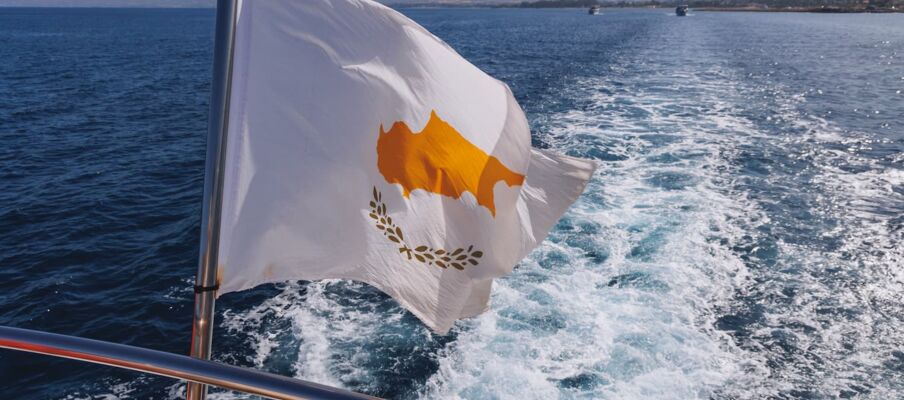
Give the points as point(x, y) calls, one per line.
point(742, 239)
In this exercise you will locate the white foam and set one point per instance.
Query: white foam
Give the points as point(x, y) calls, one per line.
point(637, 325)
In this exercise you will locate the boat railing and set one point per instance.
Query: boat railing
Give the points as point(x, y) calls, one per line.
point(169, 365)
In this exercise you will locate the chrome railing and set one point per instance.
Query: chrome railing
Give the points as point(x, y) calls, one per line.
point(169, 365)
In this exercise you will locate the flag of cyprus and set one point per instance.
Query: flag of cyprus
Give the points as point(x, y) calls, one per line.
point(362, 147)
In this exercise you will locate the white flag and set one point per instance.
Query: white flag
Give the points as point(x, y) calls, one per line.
point(362, 147)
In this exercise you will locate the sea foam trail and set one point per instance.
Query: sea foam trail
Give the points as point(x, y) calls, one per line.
point(621, 301)
point(617, 303)
point(824, 310)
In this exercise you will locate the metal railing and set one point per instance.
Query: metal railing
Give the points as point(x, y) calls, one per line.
point(169, 365)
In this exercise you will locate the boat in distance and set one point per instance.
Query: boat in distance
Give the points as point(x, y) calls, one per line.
point(681, 10)
point(594, 10)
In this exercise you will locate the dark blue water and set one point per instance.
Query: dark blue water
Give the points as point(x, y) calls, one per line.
point(741, 241)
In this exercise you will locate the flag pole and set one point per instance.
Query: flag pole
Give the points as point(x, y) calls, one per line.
point(207, 283)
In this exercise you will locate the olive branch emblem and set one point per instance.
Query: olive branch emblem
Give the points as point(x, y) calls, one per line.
point(458, 258)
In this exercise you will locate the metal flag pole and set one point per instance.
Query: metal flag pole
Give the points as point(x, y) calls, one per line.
point(206, 284)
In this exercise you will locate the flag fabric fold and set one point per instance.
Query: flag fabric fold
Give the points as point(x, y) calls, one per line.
point(362, 147)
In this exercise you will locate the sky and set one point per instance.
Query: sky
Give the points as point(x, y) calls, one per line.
point(181, 3)
point(107, 3)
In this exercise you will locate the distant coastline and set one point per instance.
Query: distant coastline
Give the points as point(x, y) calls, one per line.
point(811, 6)
point(823, 10)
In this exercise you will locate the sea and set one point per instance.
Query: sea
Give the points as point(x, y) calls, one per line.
point(743, 237)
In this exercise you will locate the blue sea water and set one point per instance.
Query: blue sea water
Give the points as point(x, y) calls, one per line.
point(742, 239)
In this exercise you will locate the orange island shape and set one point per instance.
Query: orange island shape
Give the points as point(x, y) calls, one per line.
point(439, 160)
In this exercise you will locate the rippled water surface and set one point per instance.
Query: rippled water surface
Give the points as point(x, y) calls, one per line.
point(742, 240)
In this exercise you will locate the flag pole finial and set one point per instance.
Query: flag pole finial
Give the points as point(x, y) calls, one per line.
point(206, 284)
